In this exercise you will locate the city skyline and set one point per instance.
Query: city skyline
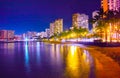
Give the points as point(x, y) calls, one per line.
point(59, 38)
point(15, 15)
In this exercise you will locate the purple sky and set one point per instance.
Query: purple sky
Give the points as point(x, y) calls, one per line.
point(35, 15)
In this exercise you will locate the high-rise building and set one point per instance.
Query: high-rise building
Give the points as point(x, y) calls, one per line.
point(3, 34)
point(113, 5)
point(47, 32)
point(58, 26)
point(104, 5)
point(10, 34)
point(76, 20)
point(80, 20)
point(52, 29)
point(24, 36)
point(6, 34)
point(84, 23)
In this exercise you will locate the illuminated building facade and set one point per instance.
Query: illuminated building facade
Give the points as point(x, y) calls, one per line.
point(113, 5)
point(3, 34)
point(76, 20)
point(23, 36)
point(6, 34)
point(104, 5)
point(80, 20)
point(10, 34)
point(58, 26)
point(52, 29)
point(47, 32)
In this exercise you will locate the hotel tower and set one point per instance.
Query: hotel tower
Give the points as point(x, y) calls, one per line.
point(113, 5)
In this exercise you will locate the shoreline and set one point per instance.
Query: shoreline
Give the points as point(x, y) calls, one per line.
point(98, 44)
point(113, 52)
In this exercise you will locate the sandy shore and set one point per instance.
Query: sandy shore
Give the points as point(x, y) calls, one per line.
point(106, 67)
point(112, 52)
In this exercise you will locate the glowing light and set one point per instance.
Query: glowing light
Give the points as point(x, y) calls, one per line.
point(73, 63)
point(27, 57)
point(63, 40)
point(26, 39)
point(76, 61)
point(73, 49)
point(38, 52)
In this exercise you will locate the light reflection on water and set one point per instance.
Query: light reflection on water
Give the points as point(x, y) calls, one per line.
point(43, 60)
point(38, 53)
point(55, 55)
point(72, 63)
point(77, 63)
point(27, 57)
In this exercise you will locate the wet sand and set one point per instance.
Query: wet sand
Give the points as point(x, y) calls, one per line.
point(106, 67)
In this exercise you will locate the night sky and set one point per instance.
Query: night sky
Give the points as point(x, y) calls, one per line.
point(36, 15)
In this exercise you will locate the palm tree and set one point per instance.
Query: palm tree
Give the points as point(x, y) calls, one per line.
point(107, 20)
